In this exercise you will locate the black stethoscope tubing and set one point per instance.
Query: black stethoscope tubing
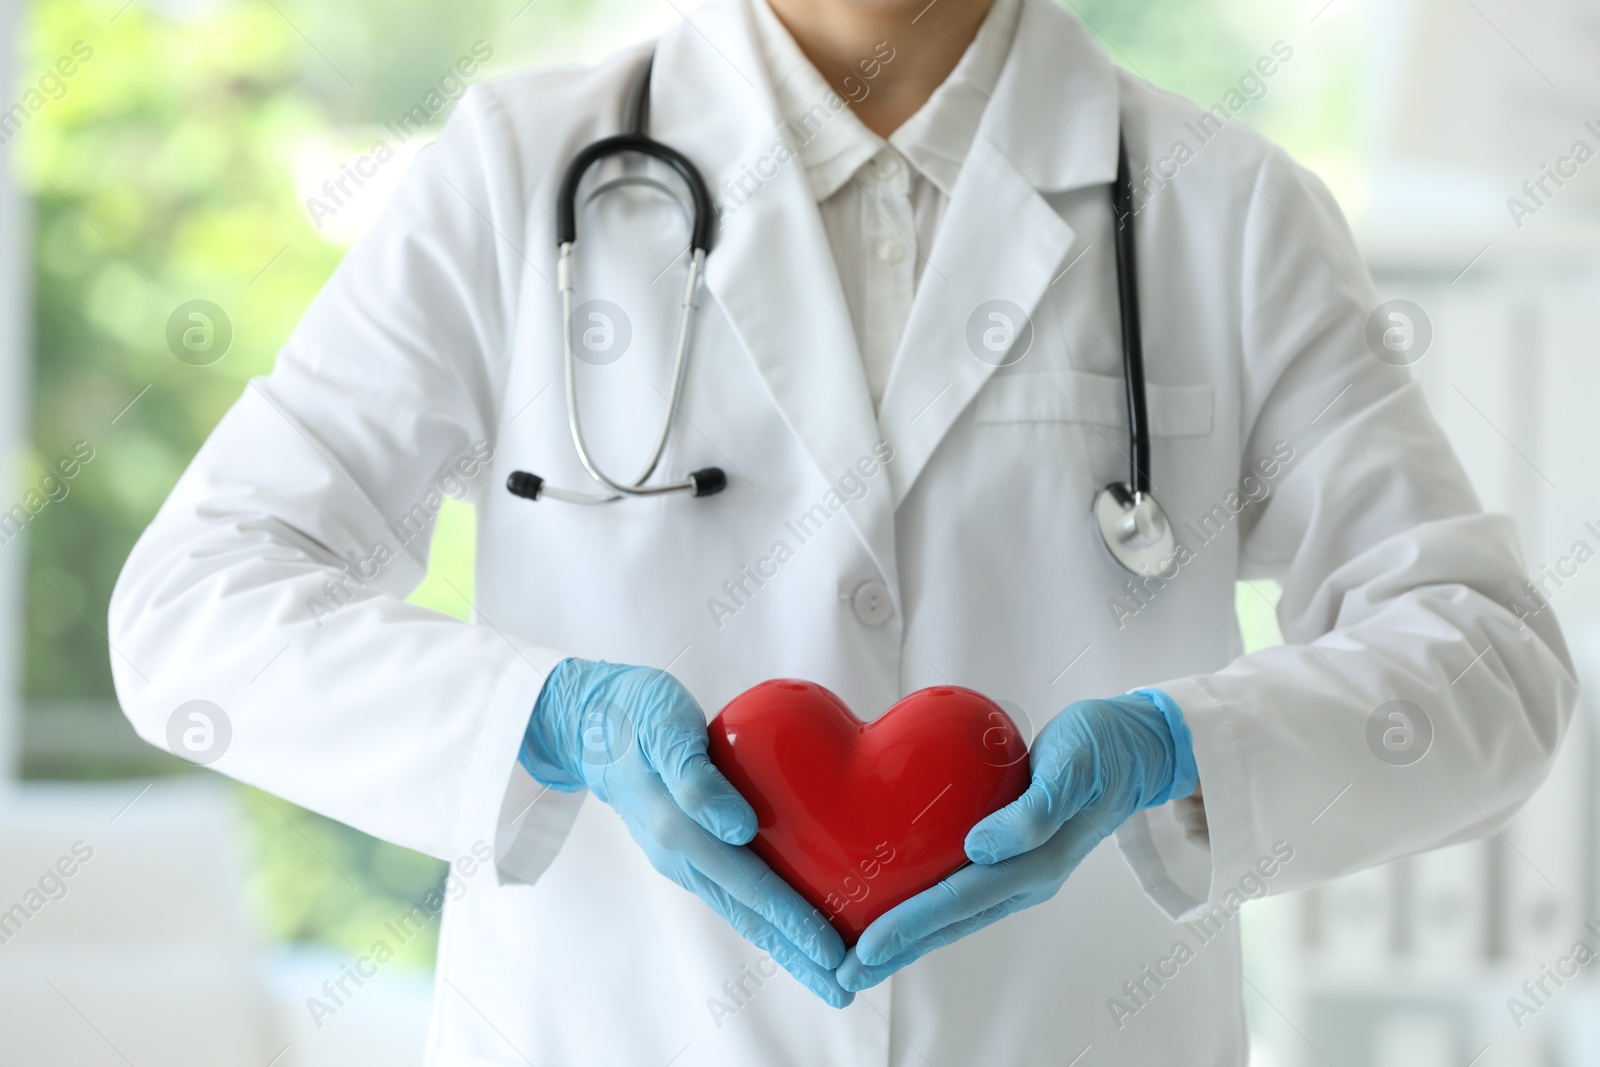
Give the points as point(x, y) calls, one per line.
point(636, 140)
point(1132, 335)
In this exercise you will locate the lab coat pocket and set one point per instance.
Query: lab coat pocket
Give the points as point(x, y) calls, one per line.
point(1077, 396)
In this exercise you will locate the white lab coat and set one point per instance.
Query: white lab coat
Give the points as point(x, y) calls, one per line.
point(436, 343)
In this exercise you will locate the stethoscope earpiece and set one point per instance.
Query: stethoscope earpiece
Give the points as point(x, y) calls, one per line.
point(709, 481)
point(525, 485)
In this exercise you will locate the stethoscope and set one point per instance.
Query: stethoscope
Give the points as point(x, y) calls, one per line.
point(1132, 523)
point(704, 482)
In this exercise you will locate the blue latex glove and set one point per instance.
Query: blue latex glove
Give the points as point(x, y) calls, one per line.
point(635, 738)
point(1093, 765)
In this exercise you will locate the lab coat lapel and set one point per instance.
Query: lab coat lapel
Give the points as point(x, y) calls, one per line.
point(999, 241)
point(771, 268)
point(1051, 125)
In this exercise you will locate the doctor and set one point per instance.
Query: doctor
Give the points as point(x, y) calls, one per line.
point(908, 504)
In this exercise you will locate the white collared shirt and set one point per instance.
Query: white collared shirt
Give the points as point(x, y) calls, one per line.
point(882, 201)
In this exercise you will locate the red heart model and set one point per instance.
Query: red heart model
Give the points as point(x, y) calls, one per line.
point(860, 816)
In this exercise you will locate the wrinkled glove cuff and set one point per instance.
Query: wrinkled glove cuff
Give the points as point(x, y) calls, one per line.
point(1185, 774)
point(536, 755)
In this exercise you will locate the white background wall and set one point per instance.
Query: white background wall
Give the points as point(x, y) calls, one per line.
point(1413, 964)
point(1417, 964)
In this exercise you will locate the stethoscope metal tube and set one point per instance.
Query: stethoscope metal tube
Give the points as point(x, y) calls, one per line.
point(699, 481)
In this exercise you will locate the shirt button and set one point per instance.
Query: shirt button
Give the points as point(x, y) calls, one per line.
point(887, 167)
point(871, 603)
point(891, 251)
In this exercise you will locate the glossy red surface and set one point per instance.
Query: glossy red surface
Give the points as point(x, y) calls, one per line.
point(859, 816)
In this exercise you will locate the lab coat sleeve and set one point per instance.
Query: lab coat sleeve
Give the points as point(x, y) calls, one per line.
point(272, 581)
point(1396, 588)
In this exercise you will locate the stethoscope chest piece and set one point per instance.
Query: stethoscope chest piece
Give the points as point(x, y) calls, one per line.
point(1134, 528)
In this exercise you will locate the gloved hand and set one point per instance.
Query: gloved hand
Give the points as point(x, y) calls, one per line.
point(1095, 764)
point(635, 738)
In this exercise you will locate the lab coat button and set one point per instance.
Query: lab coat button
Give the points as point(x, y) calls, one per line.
point(871, 603)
